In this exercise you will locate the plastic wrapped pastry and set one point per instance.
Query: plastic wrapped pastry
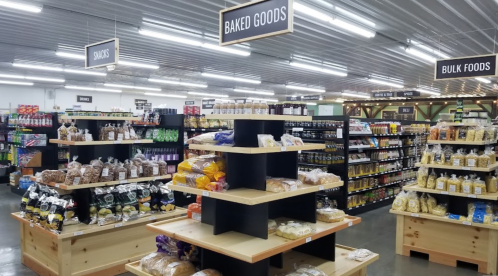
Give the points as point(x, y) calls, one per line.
point(400, 202)
point(182, 268)
point(208, 272)
point(318, 177)
point(160, 267)
point(360, 255)
point(278, 185)
point(293, 230)
point(272, 226)
point(210, 165)
point(194, 180)
point(413, 204)
point(330, 215)
point(266, 141)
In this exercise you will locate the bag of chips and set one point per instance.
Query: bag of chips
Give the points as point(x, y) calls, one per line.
point(144, 200)
point(106, 206)
point(55, 218)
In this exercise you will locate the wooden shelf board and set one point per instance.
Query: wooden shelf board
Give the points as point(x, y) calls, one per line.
point(241, 246)
point(443, 219)
point(456, 124)
point(416, 188)
point(256, 150)
point(259, 117)
point(341, 267)
point(100, 184)
point(460, 142)
point(93, 143)
point(83, 229)
point(253, 197)
point(101, 118)
point(475, 169)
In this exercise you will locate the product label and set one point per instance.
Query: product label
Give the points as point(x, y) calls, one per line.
point(155, 170)
point(133, 173)
point(230, 111)
point(447, 156)
point(122, 175)
point(127, 135)
point(287, 111)
point(88, 137)
point(437, 157)
point(440, 185)
point(456, 162)
point(452, 188)
point(105, 172)
point(76, 180)
point(411, 204)
point(466, 189)
point(205, 193)
point(120, 136)
point(82, 170)
point(477, 190)
point(471, 162)
point(111, 135)
point(216, 111)
point(140, 169)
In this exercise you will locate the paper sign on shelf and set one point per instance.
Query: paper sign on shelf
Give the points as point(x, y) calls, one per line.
point(308, 239)
point(205, 193)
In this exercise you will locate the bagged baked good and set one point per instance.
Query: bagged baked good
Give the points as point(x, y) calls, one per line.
point(120, 133)
point(144, 200)
point(480, 130)
point(471, 159)
point(62, 133)
point(440, 210)
point(160, 267)
point(431, 203)
point(400, 202)
point(461, 134)
point(278, 185)
point(359, 255)
point(448, 152)
point(422, 175)
point(132, 170)
point(194, 180)
point(293, 230)
point(127, 197)
point(426, 155)
point(166, 199)
point(55, 218)
point(73, 177)
point(272, 226)
point(479, 186)
point(491, 184)
point(266, 141)
point(150, 169)
point(182, 268)
point(454, 184)
point(97, 165)
point(120, 172)
point(106, 206)
point(330, 215)
point(458, 159)
point(147, 262)
point(441, 183)
point(431, 180)
point(434, 133)
point(317, 177)
point(438, 155)
point(74, 164)
point(48, 176)
point(107, 174)
point(309, 270)
point(211, 165)
point(413, 204)
point(163, 167)
point(457, 217)
point(208, 272)
point(140, 155)
point(467, 186)
point(423, 203)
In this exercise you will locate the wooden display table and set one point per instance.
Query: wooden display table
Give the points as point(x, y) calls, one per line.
point(87, 249)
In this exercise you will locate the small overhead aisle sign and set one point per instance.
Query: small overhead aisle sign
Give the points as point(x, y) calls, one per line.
point(101, 54)
point(255, 20)
point(466, 67)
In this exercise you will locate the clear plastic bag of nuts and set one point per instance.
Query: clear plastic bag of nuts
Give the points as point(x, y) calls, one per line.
point(107, 171)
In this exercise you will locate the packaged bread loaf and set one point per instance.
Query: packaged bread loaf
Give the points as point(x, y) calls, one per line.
point(400, 202)
point(182, 268)
point(107, 171)
point(211, 165)
point(147, 262)
point(293, 230)
point(330, 215)
point(150, 169)
point(318, 177)
point(87, 174)
point(193, 180)
point(74, 164)
point(120, 172)
point(278, 185)
point(467, 186)
point(441, 183)
point(431, 180)
point(73, 177)
point(413, 204)
point(132, 170)
point(207, 272)
point(163, 167)
point(160, 267)
point(272, 226)
point(479, 186)
point(97, 165)
point(454, 184)
point(56, 176)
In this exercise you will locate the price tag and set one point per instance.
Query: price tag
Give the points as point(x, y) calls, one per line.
point(350, 224)
point(205, 193)
point(31, 225)
point(360, 150)
point(415, 215)
point(69, 117)
point(57, 185)
point(123, 181)
point(339, 133)
point(466, 168)
point(283, 149)
point(78, 233)
point(297, 129)
point(467, 222)
point(157, 177)
point(118, 225)
point(320, 188)
point(308, 239)
point(299, 151)
point(203, 129)
point(472, 196)
point(192, 129)
point(2, 146)
point(118, 142)
point(444, 193)
point(152, 218)
point(220, 129)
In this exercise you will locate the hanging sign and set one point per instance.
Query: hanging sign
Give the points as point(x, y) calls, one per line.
point(408, 94)
point(147, 106)
point(406, 109)
point(255, 20)
point(466, 67)
point(240, 101)
point(102, 54)
point(208, 104)
point(311, 98)
point(84, 99)
point(383, 94)
point(189, 102)
point(293, 98)
point(139, 103)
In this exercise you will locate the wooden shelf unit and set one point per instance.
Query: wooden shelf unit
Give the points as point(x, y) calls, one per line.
point(252, 196)
point(475, 169)
point(96, 143)
point(259, 117)
point(463, 143)
point(100, 184)
point(416, 188)
point(457, 124)
point(255, 150)
point(101, 118)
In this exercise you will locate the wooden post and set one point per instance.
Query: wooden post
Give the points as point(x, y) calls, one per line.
point(421, 112)
point(400, 225)
point(367, 114)
point(438, 110)
point(64, 254)
point(485, 109)
point(378, 110)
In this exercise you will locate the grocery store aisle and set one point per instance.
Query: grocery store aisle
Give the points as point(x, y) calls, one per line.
point(376, 232)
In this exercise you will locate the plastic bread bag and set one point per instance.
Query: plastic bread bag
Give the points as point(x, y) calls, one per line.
point(62, 133)
point(73, 177)
point(181, 268)
point(210, 165)
point(431, 203)
point(147, 262)
point(431, 180)
point(107, 174)
point(293, 230)
point(423, 204)
point(193, 180)
point(278, 185)
point(483, 161)
point(479, 186)
point(87, 174)
point(160, 267)
point(144, 200)
point(266, 140)
point(97, 165)
point(467, 186)
point(422, 175)
point(74, 164)
point(461, 134)
point(106, 206)
point(305, 269)
point(426, 155)
point(127, 196)
point(132, 170)
point(55, 218)
point(359, 255)
point(480, 130)
point(163, 167)
point(56, 176)
point(166, 200)
point(491, 184)
point(413, 204)
point(440, 210)
point(120, 133)
point(471, 159)
point(209, 272)
point(330, 215)
point(70, 213)
point(287, 140)
point(454, 184)
point(438, 155)
point(400, 202)
point(448, 152)
point(203, 139)
point(150, 169)
point(434, 133)
point(120, 172)
point(471, 134)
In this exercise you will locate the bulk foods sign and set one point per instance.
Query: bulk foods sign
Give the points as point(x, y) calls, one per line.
point(255, 20)
point(466, 67)
point(102, 54)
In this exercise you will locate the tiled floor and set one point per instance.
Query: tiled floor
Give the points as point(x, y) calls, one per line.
point(376, 232)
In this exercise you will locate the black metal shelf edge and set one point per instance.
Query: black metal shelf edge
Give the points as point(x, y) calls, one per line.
point(370, 206)
point(382, 173)
point(311, 164)
point(380, 186)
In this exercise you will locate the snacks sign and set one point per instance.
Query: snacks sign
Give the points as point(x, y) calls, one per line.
point(466, 67)
point(102, 54)
point(255, 20)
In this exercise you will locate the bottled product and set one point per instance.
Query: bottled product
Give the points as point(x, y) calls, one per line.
point(264, 108)
point(224, 108)
point(248, 107)
point(304, 109)
point(217, 108)
point(231, 108)
point(239, 108)
point(296, 111)
point(256, 107)
point(272, 109)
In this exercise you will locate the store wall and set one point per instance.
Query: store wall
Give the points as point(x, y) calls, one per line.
point(15, 95)
point(337, 109)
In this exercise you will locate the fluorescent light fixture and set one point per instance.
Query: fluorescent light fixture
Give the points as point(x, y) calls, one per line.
point(339, 100)
point(220, 100)
point(420, 54)
point(383, 82)
point(311, 12)
point(483, 80)
point(352, 28)
point(37, 67)
point(11, 76)
point(305, 88)
point(179, 83)
point(15, 82)
point(83, 72)
point(261, 99)
point(165, 95)
point(311, 103)
point(355, 17)
point(22, 7)
point(209, 75)
point(429, 49)
point(207, 94)
point(253, 92)
point(355, 95)
point(31, 78)
point(131, 87)
point(225, 49)
point(428, 91)
point(318, 68)
point(70, 55)
point(92, 89)
point(138, 64)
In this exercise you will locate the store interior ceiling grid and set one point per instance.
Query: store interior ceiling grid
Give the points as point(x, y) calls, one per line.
point(457, 28)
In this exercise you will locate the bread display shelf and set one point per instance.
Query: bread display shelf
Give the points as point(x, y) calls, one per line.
point(241, 246)
point(341, 267)
point(100, 184)
point(101, 118)
point(248, 150)
point(460, 142)
point(259, 117)
point(475, 169)
point(253, 197)
point(84, 229)
point(416, 188)
point(95, 143)
point(444, 219)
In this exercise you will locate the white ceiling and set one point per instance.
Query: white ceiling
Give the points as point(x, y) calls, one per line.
point(456, 28)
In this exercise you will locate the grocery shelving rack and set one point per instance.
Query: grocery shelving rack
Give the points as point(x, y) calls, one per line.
point(84, 249)
point(233, 232)
point(447, 241)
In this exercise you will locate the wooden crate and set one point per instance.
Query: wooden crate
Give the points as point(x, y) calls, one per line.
point(446, 243)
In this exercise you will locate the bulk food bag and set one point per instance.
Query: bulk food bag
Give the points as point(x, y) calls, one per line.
point(193, 180)
point(211, 165)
